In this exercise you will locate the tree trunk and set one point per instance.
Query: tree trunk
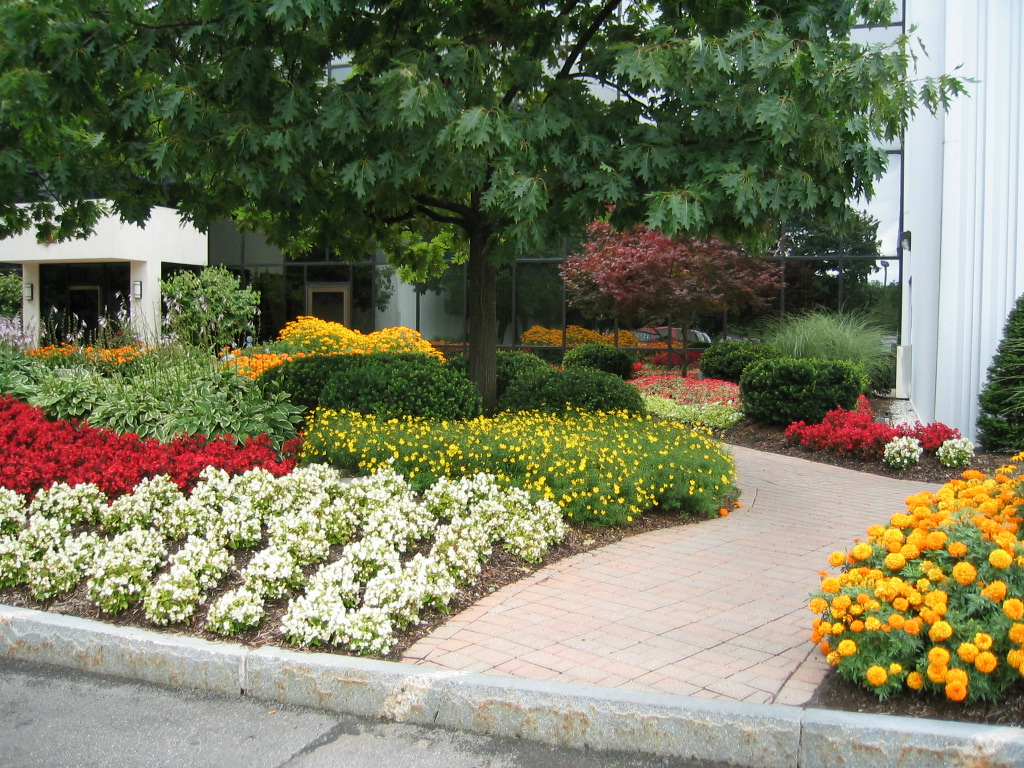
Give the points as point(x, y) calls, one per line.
point(483, 320)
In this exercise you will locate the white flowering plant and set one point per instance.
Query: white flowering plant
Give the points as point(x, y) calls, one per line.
point(902, 452)
point(956, 452)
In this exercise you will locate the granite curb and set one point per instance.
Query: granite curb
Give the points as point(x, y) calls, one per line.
point(568, 715)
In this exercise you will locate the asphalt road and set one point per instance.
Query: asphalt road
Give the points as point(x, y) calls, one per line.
point(55, 717)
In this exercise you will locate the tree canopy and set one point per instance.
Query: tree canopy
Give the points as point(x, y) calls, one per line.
point(512, 122)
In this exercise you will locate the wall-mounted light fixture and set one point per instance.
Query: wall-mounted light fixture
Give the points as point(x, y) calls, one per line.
point(26, 291)
point(905, 240)
point(137, 289)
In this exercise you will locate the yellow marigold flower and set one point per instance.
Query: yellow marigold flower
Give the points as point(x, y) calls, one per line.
point(895, 561)
point(937, 674)
point(936, 599)
point(832, 659)
point(956, 691)
point(1000, 558)
point(872, 624)
point(830, 585)
point(876, 532)
point(986, 662)
point(838, 628)
point(935, 576)
point(956, 675)
point(910, 551)
point(861, 552)
point(965, 573)
point(1016, 634)
point(876, 675)
point(938, 656)
point(967, 652)
point(837, 558)
point(957, 549)
point(1014, 608)
point(895, 669)
point(900, 520)
point(935, 540)
point(846, 647)
point(818, 605)
point(983, 641)
point(1015, 658)
point(915, 681)
point(940, 630)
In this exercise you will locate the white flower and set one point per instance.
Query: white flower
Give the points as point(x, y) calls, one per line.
point(957, 452)
point(902, 452)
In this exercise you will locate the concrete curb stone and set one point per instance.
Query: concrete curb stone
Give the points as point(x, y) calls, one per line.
point(690, 728)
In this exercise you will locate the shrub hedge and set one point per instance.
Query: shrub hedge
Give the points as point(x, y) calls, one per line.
point(727, 360)
point(784, 390)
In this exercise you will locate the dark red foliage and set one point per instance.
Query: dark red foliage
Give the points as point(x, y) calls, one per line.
point(856, 433)
point(35, 453)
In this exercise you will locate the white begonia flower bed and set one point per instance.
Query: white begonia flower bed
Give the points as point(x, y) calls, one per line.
point(171, 550)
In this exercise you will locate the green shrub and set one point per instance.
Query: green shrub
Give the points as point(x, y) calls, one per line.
point(305, 378)
point(784, 390)
point(601, 357)
point(10, 294)
point(726, 360)
point(510, 366)
point(585, 389)
point(209, 310)
point(825, 335)
point(19, 373)
point(391, 386)
point(1001, 412)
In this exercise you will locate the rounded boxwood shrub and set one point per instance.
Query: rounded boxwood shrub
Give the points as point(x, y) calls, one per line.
point(726, 360)
point(510, 366)
point(783, 390)
point(601, 357)
point(391, 388)
point(555, 391)
point(304, 378)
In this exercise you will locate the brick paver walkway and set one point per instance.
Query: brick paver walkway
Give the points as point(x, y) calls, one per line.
point(716, 609)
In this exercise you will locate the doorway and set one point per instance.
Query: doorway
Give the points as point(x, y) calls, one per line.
point(330, 301)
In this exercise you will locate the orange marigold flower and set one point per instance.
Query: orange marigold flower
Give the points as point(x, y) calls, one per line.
point(940, 630)
point(1000, 558)
point(910, 551)
point(967, 652)
point(938, 656)
point(956, 691)
point(983, 641)
point(935, 540)
point(1015, 658)
point(895, 561)
point(915, 681)
point(897, 620)
point(937, 674)
point(995, 591)
point(986, 662)
point(818, 605)
point(861, 552)
point(912, 626)
point(956, 675)
point(900, 604)
point(877, 675)
point(857, 626)
point(1016, 634)
point(964, 573)
point(837, 558)
point(830, 585)
point(1014, 608)
point(957, 548)
point(847, 647)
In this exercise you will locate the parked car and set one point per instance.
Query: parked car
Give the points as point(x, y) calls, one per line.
point(661, 333)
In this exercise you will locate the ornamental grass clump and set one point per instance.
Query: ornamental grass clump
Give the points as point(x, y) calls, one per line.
point(934, 601)
point(599, 468)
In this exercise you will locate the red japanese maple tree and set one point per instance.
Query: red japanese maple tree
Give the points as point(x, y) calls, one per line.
point(643, 276)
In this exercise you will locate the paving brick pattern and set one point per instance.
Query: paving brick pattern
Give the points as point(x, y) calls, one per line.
point(716, 609)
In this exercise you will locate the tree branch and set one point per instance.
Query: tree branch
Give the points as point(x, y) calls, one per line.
point(432, 202)
point(585, 38)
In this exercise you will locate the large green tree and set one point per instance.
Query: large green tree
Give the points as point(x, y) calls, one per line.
point(513, 122)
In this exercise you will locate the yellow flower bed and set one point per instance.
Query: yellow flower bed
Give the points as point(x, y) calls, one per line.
point(934, 601)
point(575, 336)
point(603, 468)
point(315, 336)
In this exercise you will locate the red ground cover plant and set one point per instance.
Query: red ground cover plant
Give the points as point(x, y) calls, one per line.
point(685, 390)
point(856, 433)
point(35, 453)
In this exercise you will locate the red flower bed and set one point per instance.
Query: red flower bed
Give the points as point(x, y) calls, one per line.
point(685, 390)
point(856, 433)
point(36, 453)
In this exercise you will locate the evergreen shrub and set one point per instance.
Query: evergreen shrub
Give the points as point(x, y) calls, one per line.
point(585, 389)
point(601, 357)
point(783, 390)
point(726, 360)
point(1001, 402)
point(510, 366)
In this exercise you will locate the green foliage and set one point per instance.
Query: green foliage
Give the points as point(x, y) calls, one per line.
point(169, 391)
point(825, 335)
point(584, 389)
point(511, 365)
point(783, 390)
point(1001, 402)
point(19, 373)
point(601, 357)
point(713, 416)
point(390, 387)
point(726, 360)
point(10, 294)
point(209, 310)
